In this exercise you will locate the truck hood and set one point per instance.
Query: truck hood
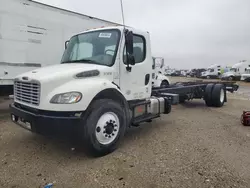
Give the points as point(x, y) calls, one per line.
point(228, 74)
point(205, 73)
point(61, 71)
point(245, 75)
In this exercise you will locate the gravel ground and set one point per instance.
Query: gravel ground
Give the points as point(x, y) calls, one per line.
point(195, 147)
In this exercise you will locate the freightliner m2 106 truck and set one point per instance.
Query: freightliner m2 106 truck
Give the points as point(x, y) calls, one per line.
point(102, 87)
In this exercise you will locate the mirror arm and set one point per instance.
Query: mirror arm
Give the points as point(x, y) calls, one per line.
point(66, 44)
point(128, 68)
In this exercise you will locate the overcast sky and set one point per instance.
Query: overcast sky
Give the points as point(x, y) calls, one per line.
point(187, 33)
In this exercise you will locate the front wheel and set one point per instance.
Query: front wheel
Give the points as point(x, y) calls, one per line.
point(104, 127)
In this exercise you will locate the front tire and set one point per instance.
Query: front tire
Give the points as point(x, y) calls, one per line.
point(104, 127)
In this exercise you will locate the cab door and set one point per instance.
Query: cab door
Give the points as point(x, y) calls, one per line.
point(137, 83)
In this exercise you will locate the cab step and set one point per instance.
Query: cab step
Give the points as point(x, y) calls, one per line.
point(143, 118)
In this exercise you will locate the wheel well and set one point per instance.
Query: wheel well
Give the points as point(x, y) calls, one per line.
point(116, 96)
point(165, 81)
point(111, 94)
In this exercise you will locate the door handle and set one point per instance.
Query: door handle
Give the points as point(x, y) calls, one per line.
point(147, 78)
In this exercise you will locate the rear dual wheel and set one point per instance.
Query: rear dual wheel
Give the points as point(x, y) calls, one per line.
point(215, 95)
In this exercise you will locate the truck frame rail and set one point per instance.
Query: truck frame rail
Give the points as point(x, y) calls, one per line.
point(181, 91)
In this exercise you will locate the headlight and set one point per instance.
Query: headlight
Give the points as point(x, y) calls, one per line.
point(66, 98)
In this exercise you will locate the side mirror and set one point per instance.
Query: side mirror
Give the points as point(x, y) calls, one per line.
point(66, 44)
point(162, 64)
point(131, 59)
point(129, 47)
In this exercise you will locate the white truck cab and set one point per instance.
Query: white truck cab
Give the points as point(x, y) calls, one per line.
point(92, 62)
point(102, 85)
point(236, 71)
point(158, 77)
point(212, 71)
point(246, 75)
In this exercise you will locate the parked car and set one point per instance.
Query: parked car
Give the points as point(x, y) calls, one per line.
point(175, 73)
point(196, 73)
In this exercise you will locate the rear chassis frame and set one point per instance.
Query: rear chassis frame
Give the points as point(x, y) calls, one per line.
point(181, 91)
point(175, 94)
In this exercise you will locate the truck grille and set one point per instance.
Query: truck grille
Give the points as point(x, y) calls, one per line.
point(27, 92)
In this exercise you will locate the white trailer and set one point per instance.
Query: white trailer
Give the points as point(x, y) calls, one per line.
point(32, 35)
point(236, 71)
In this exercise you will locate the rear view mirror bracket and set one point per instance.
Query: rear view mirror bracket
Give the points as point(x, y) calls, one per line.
point(66, 44)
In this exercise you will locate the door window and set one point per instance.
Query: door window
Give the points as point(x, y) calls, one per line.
point(139, 45)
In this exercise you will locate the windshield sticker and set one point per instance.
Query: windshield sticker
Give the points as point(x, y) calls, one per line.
point(105, 35)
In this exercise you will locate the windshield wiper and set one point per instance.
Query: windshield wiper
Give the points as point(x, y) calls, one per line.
point(81, 61)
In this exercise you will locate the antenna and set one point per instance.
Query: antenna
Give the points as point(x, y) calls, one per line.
point(123, 20)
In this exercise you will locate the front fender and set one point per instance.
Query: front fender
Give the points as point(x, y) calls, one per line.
point(228, 75)
point(160, 78)
point(163, 77)
point(88, 87)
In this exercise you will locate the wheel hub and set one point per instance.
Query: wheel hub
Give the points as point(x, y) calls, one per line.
point(222, 96)
point(110, 127)
point(107, 128)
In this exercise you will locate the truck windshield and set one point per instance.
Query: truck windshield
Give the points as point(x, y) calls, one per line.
point(211, 70)
point(97, 47)
point(233, 70)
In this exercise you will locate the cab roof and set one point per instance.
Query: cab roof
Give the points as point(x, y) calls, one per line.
point(119, 27)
